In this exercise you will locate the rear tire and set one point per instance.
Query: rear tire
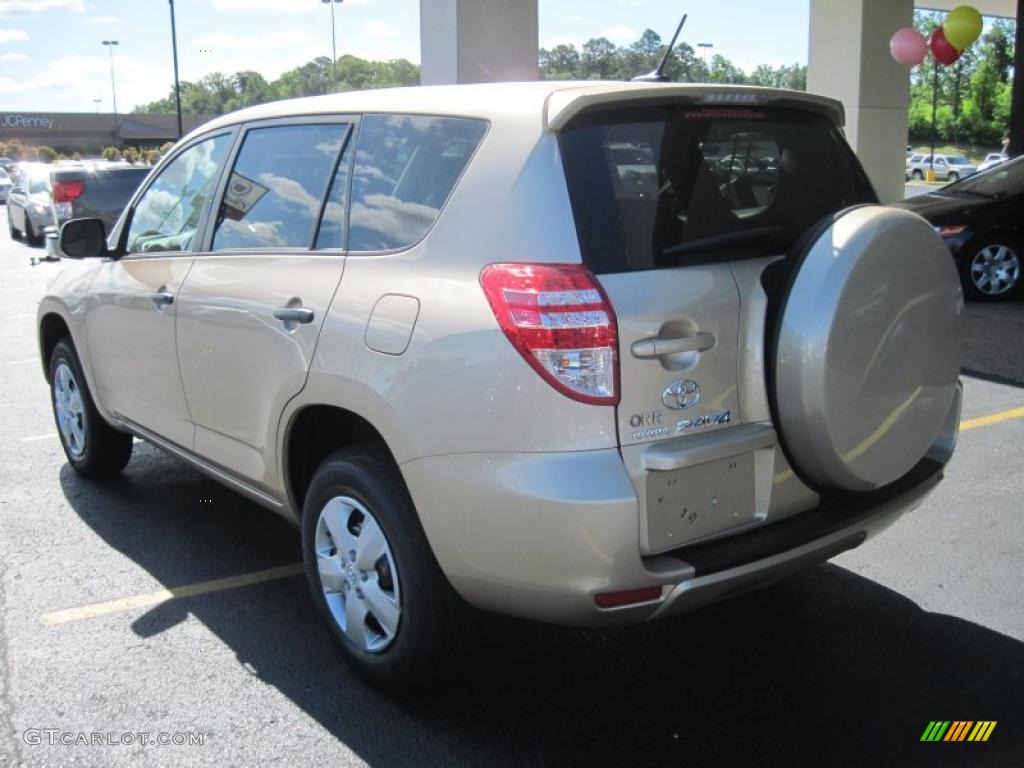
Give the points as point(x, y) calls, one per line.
point(396, 619)
point(94, 448)
point(917, 175)
point(991, 270)
point(953, 176)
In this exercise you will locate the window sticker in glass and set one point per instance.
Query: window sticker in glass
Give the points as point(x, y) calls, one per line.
point(275, 191)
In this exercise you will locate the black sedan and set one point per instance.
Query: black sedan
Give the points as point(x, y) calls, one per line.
point(981, 218)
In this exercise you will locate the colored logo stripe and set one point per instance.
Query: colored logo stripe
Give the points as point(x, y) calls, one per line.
point(958, 730)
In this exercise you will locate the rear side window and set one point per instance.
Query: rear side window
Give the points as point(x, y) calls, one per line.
point(661, 187)
point(275, 191)
point(405, 169)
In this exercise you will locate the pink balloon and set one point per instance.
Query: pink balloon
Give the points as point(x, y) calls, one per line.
point(908, 46)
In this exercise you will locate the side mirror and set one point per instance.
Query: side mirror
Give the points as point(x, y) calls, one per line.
point(84, 239)
point(17, 190)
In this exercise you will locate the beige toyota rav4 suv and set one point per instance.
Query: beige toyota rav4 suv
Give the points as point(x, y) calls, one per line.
point(578, 352)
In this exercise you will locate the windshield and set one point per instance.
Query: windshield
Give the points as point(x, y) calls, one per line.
point(998, 181)
point(665, 186)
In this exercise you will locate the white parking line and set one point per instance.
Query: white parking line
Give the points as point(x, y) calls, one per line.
point(19, 362)
point(47, 436)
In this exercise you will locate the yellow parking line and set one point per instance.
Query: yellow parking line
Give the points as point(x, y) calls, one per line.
point(995, 418)
point(271, 574)
point(981, 421)
point(162, 596)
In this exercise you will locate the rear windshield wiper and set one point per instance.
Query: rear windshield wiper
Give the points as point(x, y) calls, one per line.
point(724, 241)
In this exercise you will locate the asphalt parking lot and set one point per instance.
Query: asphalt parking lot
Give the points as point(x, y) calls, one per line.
point(845, 664)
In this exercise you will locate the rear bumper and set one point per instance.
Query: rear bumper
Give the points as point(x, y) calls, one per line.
point(539, 535)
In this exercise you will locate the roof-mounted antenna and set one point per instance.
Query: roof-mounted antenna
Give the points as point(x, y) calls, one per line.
point(658, 75)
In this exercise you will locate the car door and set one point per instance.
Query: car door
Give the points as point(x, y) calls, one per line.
point(16, 202)
point(251, 308)
point(941, 169)
point(131, 322)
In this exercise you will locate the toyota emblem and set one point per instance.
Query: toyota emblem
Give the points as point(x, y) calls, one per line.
point(681, 394)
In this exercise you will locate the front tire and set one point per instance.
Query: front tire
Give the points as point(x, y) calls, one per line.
point(33, 238)
point(374, 578)
point(991, 269)
point(94, 448)
point(15, 234)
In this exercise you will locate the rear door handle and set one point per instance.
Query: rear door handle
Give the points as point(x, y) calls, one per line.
point(161, 298)
point(294, 315)
point(658, 347)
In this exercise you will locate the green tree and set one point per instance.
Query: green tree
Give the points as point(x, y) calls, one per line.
point(110, 153)
point(560, 63)
point(598, 59)
point(46, 154)
point(724, 71)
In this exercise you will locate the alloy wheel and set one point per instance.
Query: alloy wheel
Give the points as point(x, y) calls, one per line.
point(995, 269)
point(67, 399)
point(357, 574)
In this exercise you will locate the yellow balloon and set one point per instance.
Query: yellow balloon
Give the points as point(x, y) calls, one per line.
point(962, 27)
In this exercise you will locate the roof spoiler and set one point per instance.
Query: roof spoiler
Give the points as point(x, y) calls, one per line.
point(563, 105)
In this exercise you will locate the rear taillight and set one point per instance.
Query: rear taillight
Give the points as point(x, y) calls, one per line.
point(560, 320)
point(67, 191)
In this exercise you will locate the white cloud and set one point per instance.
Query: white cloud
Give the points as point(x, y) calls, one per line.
point(621, 34)
point(16, 7)
point(75, 80)
point(275, 6)
point(380, 30)
point(13, 35)
point(556, 40)
point(225, 41)
point(13, 57)
point(102, 20)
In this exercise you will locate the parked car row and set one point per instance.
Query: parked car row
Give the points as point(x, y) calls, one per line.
point(41, 197)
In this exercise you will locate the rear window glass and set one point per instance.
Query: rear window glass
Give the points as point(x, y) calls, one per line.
point(661, 187)
point(405, 169)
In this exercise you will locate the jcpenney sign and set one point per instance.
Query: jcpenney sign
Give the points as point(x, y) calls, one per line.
point(23, 121)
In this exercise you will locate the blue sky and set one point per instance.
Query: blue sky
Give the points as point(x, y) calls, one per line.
point(52, 59)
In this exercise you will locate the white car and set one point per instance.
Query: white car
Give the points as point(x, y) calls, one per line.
point(991, 159)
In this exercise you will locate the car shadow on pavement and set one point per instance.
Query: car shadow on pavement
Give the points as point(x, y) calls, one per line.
point(994, 345)
point(828, 667)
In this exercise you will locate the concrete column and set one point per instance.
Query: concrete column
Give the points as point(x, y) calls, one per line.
point(849, 60)
point(478, 41)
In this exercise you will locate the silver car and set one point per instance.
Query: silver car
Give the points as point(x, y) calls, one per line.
point(484, 358)
point(28, 203)
point(946, 167)
point(5, 185)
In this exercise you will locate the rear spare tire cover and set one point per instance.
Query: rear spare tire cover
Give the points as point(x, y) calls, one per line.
point(867, 349)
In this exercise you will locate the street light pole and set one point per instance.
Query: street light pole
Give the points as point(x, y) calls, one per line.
point(174, 49)
point(97, 102)
point(113, 88)
point(704, 48)
point(334, 44)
